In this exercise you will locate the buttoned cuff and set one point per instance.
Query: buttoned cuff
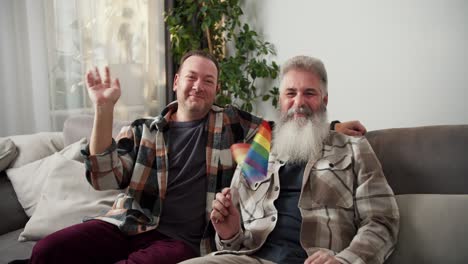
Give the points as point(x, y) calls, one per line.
point(230, 244)
point(102, 162)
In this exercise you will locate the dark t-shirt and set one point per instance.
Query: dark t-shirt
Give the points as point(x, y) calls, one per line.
point(183, 211)
point(283, 244)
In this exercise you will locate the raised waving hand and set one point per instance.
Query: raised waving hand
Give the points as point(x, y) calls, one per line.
point(103, 93)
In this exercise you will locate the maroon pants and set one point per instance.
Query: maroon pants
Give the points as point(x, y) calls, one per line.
point(100, 242)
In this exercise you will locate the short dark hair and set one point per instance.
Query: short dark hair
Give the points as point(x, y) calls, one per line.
point(199, 53)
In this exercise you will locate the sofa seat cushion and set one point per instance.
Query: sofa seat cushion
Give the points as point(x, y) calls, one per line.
point(11, 248)
point(432, 229)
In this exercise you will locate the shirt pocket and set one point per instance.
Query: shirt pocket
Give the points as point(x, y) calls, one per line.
point(252, 198)
point(331, 182)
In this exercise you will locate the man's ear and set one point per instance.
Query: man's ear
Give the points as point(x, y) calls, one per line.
point(325, 100)
point(176, 82)
point(218, 88)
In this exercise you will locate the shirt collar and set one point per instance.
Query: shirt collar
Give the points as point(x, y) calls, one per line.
point(161, 121)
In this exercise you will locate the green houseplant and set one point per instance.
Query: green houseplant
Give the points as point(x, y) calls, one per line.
point(216, 26)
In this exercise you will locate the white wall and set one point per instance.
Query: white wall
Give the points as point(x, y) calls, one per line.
point(393, 63)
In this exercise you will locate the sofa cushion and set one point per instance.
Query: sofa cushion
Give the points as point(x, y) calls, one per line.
point(66, 199)
point(8, 152)
point(29, 179)
point(79, 126)
point(13, 216)
point(11, 248)
point(432, 229)
point(33, 147)
point(429, 159)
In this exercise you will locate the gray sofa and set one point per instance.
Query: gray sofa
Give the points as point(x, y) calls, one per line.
point(427, 167)
point(38, 155)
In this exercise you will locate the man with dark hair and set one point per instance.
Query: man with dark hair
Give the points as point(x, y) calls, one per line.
point(171, 167)
point(323, 199)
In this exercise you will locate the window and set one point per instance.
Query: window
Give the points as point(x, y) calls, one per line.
point(127, 35)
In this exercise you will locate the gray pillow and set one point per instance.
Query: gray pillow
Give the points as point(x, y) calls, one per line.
point(8, 152)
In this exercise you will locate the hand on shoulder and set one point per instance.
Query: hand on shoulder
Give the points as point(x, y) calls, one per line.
point(351, 128)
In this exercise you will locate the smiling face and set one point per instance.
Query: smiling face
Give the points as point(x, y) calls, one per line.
point(298, 136)
point(196, 85)
point(301, 95)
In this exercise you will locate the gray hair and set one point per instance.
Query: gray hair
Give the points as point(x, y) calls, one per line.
point(309, 64)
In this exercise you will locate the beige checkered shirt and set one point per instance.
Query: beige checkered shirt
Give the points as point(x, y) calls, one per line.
point(347, 206)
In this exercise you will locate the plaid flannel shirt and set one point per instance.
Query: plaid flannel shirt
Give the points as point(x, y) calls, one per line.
point(347, 206)
point(138, 162)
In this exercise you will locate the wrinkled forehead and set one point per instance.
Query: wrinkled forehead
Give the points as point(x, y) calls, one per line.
point(298, 79)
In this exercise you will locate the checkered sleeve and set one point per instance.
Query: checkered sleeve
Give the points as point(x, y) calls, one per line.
point(376, 210)
point(112, 168)
point(249, 123)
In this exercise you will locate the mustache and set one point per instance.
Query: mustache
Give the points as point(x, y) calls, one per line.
point(301, 110)
point(196, 93)
point(308, 113)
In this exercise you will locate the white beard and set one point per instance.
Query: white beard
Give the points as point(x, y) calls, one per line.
point(300, 140)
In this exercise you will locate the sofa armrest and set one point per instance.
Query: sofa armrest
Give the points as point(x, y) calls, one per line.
point(11, 212)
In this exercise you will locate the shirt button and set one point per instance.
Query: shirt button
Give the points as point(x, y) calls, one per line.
point(331, 165)
point(273, 218)
point(276, 188)
point(228, 245)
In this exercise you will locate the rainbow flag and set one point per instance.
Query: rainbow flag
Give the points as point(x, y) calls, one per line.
point(253, 158)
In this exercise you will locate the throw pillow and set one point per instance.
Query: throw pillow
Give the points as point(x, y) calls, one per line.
point(28, 180)
point(8, 152)
point(66, 199)
point(36, 146)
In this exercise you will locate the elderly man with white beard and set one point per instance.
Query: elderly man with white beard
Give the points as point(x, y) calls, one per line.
point(324, 199)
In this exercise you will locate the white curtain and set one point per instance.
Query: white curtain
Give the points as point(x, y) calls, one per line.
point(24, 97)
point(49, 45)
